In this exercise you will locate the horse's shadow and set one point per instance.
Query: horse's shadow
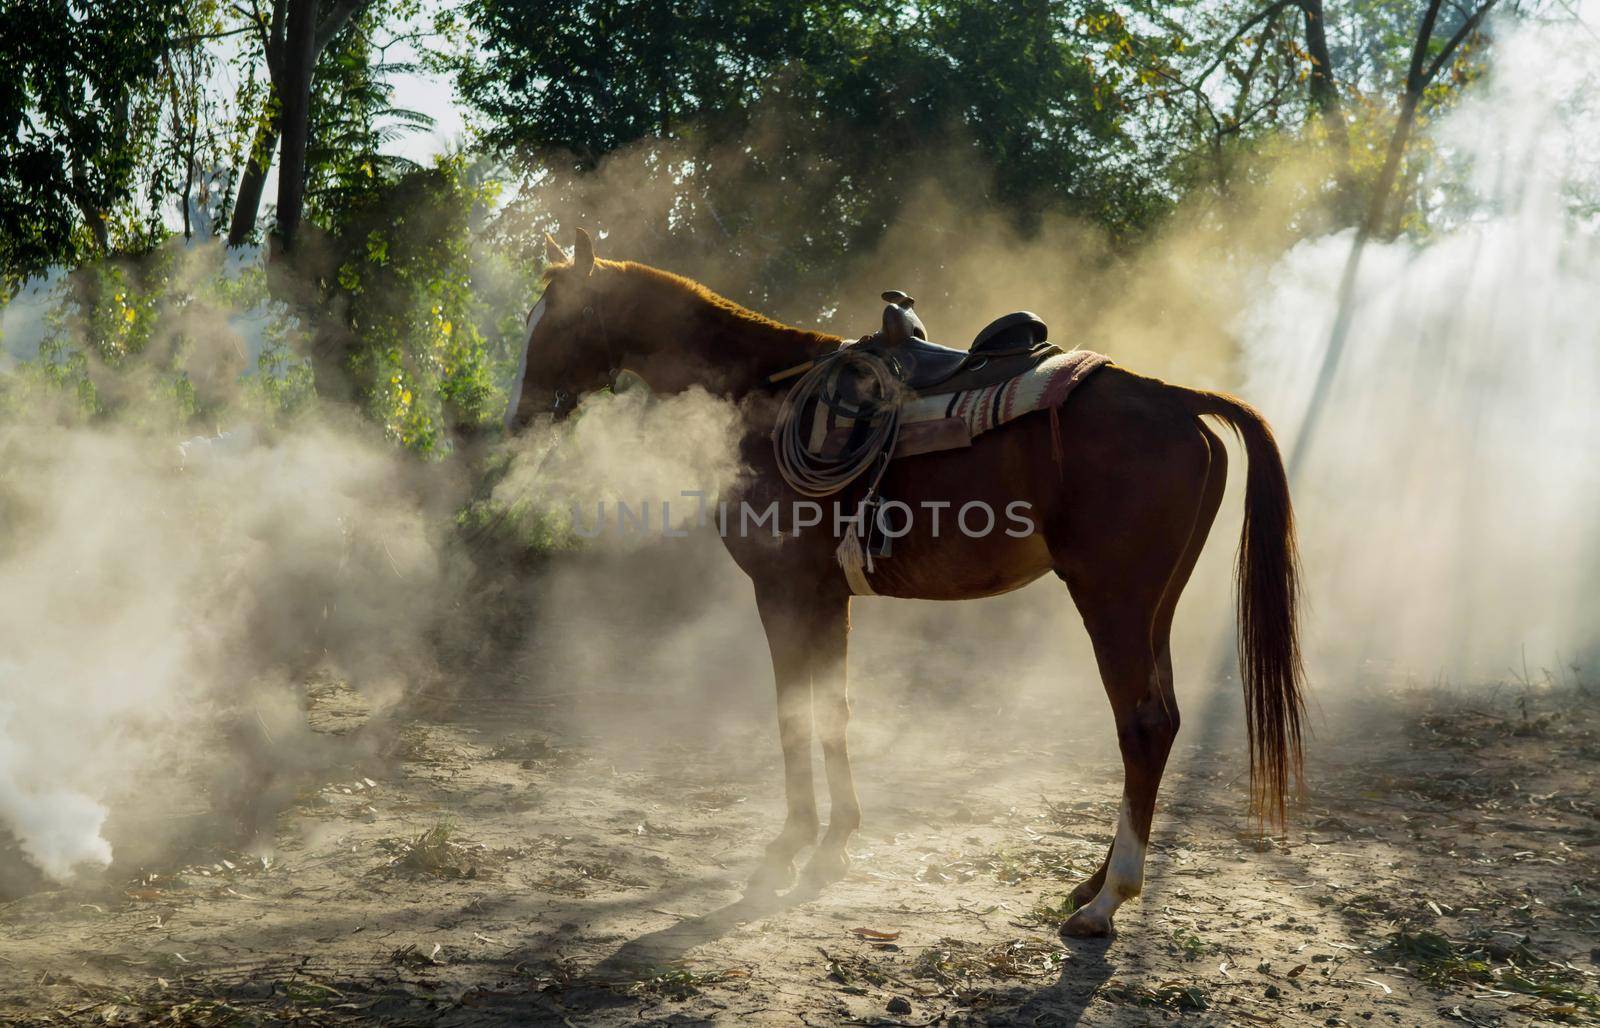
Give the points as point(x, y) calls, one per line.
point(1063, 1002)
point(669, 945)
point(1084, 970)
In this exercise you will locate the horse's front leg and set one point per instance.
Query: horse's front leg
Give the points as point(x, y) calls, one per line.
point(831, 698)
point(787, 624)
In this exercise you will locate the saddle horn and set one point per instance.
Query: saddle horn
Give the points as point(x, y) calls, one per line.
point(900, 322)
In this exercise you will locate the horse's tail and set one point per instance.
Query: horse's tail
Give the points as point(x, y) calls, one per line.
point(1268, 596)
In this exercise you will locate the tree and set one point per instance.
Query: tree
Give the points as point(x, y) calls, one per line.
point(1213, 79)
point(73, 79)
point(293, 36)
point(778, 135)
point(352, 120)
point(1428, 58)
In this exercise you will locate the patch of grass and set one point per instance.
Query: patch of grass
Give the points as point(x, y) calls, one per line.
point(853, 972)
point(1052, 915)
point(681, 983)
point(1444, 963)
point(1169, 995)
point(198, 1013)
point(435, 853)
point(957, 967)
point(1190, 943)
point(311, 992)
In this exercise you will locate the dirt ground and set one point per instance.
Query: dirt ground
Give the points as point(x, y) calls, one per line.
point(503, 864)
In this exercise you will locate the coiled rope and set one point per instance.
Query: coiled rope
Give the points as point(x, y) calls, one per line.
point(813, 475)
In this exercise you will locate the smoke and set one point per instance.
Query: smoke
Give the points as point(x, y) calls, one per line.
point(1442, 509)
point(158, 617)
point(165, 605)
point(619, 470)
point(163, 610)
point(1446, 504)
point(58, 828)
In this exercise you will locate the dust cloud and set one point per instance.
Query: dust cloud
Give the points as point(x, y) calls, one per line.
point(166, 602)
point(628, 468)
point(162, 613)
point(1447, 501)
point(1443, 508)
point(161, 618)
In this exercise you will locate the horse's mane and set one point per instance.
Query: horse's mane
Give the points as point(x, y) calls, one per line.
point(718, 307)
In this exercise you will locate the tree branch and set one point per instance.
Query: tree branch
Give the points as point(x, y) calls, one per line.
point(1467, 28)
point(1270, 11)
point(334, 20)
point(1419, 50)
point(207, 36)
point(274, 45)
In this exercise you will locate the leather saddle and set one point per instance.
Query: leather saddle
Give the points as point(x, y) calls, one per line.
point(1007, 347)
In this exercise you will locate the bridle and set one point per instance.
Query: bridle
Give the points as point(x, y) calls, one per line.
point(613, 369)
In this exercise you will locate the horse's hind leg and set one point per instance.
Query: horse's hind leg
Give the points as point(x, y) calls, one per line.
point(1161, 630)
point(1146, 726)
point(1127, 590)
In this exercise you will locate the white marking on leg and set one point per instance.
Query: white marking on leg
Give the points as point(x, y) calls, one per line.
point(1124, 871)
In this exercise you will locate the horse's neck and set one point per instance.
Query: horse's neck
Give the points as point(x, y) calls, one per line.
point(720, 351)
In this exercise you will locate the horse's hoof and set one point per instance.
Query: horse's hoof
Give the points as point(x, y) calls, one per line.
point(1086, 924)
point(769, 880)
point(826, 866)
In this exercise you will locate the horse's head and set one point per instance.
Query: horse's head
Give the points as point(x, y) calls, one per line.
point(567, 352)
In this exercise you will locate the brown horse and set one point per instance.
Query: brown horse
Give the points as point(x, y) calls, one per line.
point(1121, 497)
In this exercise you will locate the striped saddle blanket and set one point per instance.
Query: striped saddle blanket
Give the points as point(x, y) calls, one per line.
point(948, 421)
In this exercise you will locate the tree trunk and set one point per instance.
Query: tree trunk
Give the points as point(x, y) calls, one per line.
point(1421, 73)
point(1324, 93)
point(247, 204)
point(92, 215)
point(96, 221)
point(299, 57)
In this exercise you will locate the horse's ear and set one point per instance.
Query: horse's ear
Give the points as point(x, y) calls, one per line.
point(553, 254)
point(583, 254)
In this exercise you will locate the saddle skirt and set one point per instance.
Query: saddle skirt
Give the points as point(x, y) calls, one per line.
point(950, 420)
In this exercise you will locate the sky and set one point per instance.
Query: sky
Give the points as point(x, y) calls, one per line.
point(433, 95)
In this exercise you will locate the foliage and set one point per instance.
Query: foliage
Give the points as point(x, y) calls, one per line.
point(743, 115)
point(1052, 915)
point(765, 136)
point(159, 343)
point(353, 119)
point(430, 332)
point(773, 138)
point(1171, 995)
point(1485, 961)
point(72, 125)
point(435, 852)
point(118, 118)
point(884, 82)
